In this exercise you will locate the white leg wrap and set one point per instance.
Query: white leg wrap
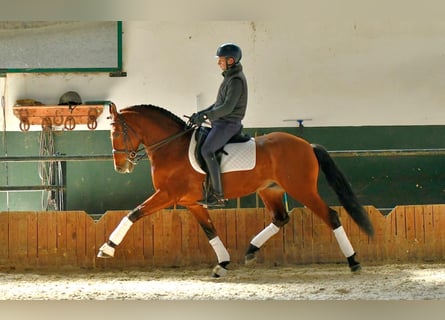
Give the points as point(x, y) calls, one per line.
point(265, 235)
point(121, 230)
point(220, 249)
point(343, 242)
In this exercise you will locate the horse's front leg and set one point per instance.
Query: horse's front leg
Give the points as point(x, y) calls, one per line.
point(202, 216)
point(273, 200)
point(159, 200)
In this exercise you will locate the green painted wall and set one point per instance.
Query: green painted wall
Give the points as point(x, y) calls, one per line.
point(385, 181)
point(94, 186)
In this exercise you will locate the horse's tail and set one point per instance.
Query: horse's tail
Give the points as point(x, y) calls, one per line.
point(342, 188)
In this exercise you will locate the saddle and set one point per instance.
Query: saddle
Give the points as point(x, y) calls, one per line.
point(201, 134)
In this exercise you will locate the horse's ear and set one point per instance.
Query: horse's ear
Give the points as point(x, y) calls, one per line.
point(113, 110)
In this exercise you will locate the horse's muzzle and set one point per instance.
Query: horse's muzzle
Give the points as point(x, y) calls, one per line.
point(126, 167)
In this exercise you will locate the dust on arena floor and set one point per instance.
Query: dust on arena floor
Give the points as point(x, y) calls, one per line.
point(419, 281)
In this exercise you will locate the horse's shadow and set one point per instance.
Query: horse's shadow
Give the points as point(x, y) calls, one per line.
point(264, 274)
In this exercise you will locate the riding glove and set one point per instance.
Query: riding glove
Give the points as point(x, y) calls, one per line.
point(198, 118)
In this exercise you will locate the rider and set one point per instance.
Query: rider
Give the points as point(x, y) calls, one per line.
point(225, 116)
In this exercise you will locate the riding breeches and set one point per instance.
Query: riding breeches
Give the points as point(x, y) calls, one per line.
point(218, 136)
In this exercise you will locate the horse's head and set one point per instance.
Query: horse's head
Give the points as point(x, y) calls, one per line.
point(125, 142)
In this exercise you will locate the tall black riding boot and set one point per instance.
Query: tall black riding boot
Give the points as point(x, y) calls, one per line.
point(216, 197)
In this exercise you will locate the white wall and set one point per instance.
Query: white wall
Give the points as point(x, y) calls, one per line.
point(335, 68)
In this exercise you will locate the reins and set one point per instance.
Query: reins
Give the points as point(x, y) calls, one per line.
point(160, 144)
point(135, 156)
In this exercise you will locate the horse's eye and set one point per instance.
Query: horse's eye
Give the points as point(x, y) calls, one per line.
point(116, 135)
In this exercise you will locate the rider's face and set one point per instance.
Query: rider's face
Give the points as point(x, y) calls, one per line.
point(222, 62)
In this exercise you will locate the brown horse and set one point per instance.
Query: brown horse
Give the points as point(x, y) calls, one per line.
point(284, 163)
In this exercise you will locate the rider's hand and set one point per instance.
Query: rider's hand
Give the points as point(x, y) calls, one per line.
point(198, 118)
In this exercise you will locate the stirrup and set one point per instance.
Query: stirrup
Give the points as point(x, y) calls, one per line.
point(212, 201)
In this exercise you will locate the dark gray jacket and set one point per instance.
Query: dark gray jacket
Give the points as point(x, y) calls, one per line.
point(231, 101)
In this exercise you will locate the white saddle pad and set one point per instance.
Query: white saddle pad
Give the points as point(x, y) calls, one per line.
point(240, 156)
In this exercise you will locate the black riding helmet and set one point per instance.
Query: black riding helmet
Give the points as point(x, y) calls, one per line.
point(229, 50)
point(70, 98)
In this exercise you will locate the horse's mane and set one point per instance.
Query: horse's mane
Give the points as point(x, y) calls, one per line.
point(146, 107)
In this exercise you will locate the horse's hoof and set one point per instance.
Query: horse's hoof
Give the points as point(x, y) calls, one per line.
point(354, 265)
point(219, 271)
point(106, 251)
point(356, 268)
point(250, 259)
point(103, 255)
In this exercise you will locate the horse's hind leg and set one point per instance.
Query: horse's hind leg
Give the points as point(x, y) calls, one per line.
point(273, 200)
point(343, 240)
point(331, 218)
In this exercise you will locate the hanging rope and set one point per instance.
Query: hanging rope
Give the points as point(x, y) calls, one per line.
point(5, 146)
point(50, 172)
point(44, 168)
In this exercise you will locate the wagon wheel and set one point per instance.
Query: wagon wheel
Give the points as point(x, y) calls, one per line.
point(46, 123)
point(70, 123)
point(92, 119)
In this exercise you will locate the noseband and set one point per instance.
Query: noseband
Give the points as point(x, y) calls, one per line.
point(132, 156)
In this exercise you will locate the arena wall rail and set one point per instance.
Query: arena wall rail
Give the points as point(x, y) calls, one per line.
point(172, 238)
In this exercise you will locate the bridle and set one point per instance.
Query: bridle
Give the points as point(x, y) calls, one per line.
point(132, 156)
point(135, 156)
